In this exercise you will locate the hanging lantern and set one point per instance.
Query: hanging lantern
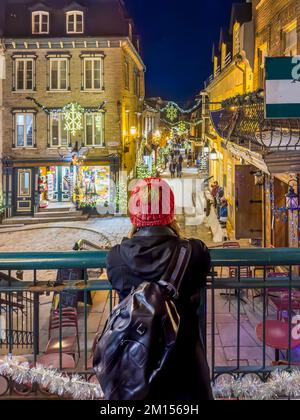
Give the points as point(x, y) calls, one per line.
point(214, 154)
point(206, 148)
point(292, 200)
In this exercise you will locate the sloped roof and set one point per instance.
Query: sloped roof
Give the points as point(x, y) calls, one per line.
point(103, 17)
point(241, 13)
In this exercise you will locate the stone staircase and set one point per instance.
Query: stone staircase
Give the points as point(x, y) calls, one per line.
point(48, 215)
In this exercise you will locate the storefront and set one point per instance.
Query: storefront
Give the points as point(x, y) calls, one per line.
point(30, 186)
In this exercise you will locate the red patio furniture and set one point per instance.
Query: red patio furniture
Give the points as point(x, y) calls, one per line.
point(67, 319)
point(277, 336)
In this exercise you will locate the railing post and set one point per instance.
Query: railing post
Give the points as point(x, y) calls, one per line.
point(36, 320)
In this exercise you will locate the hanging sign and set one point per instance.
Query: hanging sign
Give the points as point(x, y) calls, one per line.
point(282, 98)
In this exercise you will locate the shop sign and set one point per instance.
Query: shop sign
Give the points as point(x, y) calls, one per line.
point(282, 98)
point(113, 144)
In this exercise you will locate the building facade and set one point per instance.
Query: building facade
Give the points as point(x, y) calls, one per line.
point(72, 98)
point(255, 174)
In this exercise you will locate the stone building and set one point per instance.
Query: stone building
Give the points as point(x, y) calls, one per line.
point(73, 100)
point(254, 162)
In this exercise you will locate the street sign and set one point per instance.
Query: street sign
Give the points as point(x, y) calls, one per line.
point(282, 98)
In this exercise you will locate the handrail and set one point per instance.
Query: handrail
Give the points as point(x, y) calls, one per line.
point(97, 259)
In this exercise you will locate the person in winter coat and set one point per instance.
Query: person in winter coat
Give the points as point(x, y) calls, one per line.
point(172, 168)
point(224, 212)
point(145, 256)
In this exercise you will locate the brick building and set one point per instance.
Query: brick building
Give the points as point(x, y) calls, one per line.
point(73, 100)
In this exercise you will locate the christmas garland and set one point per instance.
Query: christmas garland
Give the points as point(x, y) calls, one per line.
point(63, 109)
point(55, 382)
point(281, 384)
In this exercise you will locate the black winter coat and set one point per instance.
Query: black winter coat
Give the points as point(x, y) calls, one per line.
point(146, 257)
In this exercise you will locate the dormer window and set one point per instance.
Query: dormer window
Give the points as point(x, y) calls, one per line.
point(75, 22)
point(40, 23)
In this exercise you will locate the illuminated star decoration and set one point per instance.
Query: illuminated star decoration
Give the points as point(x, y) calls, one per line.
point(73, 117)
point(172, 112)
point(182, 128)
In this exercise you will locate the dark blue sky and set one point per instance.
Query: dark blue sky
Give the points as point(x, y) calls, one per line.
point(177, 38)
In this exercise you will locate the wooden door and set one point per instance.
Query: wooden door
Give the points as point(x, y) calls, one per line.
point(248, 204)
point(23, 191)
point(281, 228)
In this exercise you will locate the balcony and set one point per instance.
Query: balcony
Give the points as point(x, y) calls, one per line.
point(248, 315)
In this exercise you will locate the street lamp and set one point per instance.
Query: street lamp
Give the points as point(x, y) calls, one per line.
point(214, 155)
point(133, 131)
point(206, 148)
point(292, 199)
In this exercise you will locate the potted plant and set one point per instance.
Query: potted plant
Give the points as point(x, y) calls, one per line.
point(2, 208)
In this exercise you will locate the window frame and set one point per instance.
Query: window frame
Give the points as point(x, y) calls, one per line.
point(59, 60)
point(75, 14)
point(94, 115)
point(25, 144)
point(127, 74)
point(60, 128)
point(40, 14)
point(288, 50)
point(93, 59)
point(25, 60)
point(137, 83)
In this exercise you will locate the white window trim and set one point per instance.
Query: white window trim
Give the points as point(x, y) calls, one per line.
point(25, 146)
point(52, 146)
point(74, 13)
point(93, 59)
point(58, 76)
point(40, 14)
point(94, 114)
point(16, 61)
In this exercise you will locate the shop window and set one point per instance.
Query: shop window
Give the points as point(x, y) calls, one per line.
point(59, 73)
point(58, 134)
point(290, 40)
point(24, 129)
point(93, 73)
point(94, 130)
point(24, 184)
point(24, 74)
point(75, 22)
point(40, 23)
point(126, 74)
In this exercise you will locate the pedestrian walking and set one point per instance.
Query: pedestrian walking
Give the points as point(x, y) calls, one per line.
point(172, 168)
point(142, 260)
point(179, 169)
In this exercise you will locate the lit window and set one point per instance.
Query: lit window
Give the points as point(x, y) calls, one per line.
point(58, 74)
point(137, 83)
point(59, 136)
point(94, 129)
point(75, 22)
point(40, 22)
point(24, 130)
point(290, 41)
point(24, 74)
point(126, 74)
point(93, 74)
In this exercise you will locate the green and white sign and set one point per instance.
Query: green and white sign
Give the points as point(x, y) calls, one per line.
point(282, 87)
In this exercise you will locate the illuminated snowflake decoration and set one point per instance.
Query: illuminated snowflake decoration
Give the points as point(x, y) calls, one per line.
point(172, 112)
point(182, 127)
point(73, 118)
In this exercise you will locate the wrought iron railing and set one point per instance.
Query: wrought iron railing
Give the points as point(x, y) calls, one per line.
point(245, 287)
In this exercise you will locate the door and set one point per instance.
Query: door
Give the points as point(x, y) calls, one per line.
point(281, 228)
point(23, 191)
point(248, 204)
point(62, 181)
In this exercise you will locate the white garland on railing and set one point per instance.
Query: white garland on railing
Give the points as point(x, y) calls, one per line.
point(55, 382)
point(281, 384)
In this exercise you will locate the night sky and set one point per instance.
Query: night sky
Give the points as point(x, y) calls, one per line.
point(177, 38)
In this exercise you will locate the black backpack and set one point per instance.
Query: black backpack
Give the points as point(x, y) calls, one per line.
point(141, 333)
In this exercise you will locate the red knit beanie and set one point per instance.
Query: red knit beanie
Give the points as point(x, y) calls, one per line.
point(151, 203)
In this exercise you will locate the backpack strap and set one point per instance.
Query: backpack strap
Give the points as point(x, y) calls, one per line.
point(172, 279)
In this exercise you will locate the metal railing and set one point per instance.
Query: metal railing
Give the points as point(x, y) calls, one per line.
point(230, 274)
